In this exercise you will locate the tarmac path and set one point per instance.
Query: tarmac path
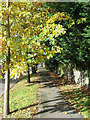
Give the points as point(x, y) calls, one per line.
point(53, 104)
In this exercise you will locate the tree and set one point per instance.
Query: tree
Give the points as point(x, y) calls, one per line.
point(34, 29)
point(7, 81)
point(75, 42)
point(18, 30)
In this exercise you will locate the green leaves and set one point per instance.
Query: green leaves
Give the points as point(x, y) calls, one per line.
point(75, 42)
point(81, 20)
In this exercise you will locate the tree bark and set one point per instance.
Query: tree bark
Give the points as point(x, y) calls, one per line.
point(72, 74)
point(7, 85)
point(36, 67)
point(34, 70)
point(28, 80)
point(88, 72)
point(81, 76)
point(7, 80)
point(56, 66)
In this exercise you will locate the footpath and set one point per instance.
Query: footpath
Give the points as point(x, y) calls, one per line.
point(52, 102)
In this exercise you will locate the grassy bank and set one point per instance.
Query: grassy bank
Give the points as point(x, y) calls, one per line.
point(78, 96)
point(23, 98)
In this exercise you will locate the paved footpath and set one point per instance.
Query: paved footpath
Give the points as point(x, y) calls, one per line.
point(53, 104)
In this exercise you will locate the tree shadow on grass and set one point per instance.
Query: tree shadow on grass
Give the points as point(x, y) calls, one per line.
point(34, 105)
point(22, 108)
point(64, 106)
point(33, 83)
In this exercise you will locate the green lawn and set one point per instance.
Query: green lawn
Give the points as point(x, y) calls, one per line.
point(23, 98)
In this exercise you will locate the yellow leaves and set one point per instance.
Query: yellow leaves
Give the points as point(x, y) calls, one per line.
point(57, 17)
point(20, 44)
point(51, 30)
point(81, 20)
point(58, 49)
point(71, 22)
point(39, 14)
point(38, 44)
point(18, 70)
point(42, 51)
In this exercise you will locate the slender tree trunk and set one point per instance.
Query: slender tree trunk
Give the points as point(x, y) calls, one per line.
point(28, 73)
point(7, 85)
point(72, 74)
point(81, 76)
point(59, 69)
point(7, 80)
point(56, 66)
point(88, 70)
point(34, 69)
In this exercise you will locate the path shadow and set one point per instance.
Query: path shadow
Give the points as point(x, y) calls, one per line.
point(49, 81)
point(22, 108)
point(58, 106)
point(35, 105)
point(33, 83)
point(61, 107)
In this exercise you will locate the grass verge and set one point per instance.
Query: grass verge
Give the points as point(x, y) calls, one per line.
point(23, 98)
point(77, 95)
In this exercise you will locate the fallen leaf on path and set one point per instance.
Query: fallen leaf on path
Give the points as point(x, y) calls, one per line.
point(39, 103)
point(76, 110)
point(58, 105)
point(66, 112)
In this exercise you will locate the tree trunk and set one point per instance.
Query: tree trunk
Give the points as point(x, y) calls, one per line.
point(81, 76)
point(59, 69)
point(56, 66)
point(28, 80)
point(7, 85)
point(7, 80)
point(34, 69)
point(72, 74)
point(88, 78)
